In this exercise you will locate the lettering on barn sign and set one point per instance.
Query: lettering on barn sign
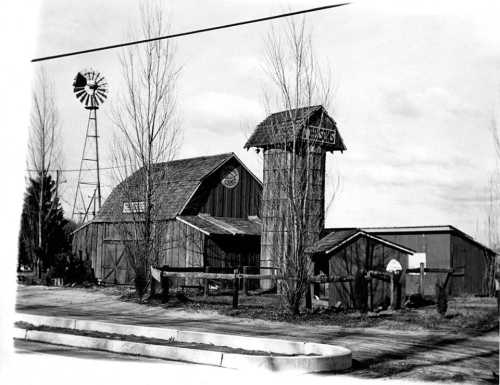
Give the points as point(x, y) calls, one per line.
point(133, 207)
point(320, 134)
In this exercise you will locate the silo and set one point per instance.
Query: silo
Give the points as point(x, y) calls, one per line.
point(294, 145)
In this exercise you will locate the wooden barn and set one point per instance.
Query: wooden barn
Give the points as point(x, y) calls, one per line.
point(443, 247)
point(208, 215)
point(344, 252)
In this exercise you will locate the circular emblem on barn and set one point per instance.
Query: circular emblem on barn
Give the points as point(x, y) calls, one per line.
point(231, 178)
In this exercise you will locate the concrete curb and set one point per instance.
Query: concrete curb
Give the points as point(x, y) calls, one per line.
point(327, 358)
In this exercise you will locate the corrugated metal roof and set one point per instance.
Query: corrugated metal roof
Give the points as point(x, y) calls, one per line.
point(279, 127)
point(337, 239)
point(223, 225)
point(175, 181)
point(418, 229)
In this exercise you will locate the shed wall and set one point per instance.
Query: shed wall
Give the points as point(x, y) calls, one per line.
point(437, 249)
point(474, 258)
point(367, 255)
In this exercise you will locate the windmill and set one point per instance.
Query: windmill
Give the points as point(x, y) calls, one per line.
point(90, 88)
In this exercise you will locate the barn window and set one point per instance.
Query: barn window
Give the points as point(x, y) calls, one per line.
point(415, 259)
point(134, 207)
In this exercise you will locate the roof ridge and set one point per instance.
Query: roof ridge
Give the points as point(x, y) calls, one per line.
point(224, 154)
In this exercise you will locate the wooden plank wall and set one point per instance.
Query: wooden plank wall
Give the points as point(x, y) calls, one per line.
point(470, 255)
point(217, 200)
point(355, 256)
point(275, 200)
point(437, 249)
point(180, 246)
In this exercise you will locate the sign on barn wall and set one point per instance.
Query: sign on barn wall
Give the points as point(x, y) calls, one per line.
point(231, 178)
point(320, 134)
point(133, 207)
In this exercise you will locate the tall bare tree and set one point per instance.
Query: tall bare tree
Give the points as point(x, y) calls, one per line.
point(148, 133)
point(43, 147)
point(297, 80)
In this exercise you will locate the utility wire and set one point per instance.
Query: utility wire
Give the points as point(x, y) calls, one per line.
point(83, 169)
point(189, 32)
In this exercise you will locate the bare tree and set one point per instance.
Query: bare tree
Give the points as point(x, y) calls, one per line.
point(493, 212)
point(43, 147)
point(296, 82)
point(148, 133)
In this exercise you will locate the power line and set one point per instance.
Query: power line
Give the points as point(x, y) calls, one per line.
point(189, 32)
point(83, 169)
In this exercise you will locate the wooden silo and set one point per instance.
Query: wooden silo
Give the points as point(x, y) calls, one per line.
point(294, 144)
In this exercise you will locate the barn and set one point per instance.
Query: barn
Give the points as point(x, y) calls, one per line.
point(443, 247)
point(208, 216)
point(214, 213)
point(343, 251)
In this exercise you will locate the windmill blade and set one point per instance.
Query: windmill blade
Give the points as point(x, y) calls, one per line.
point(101, 99)
point(103, 86)
point(80, 93)
point(103, 95)
point(82, 97)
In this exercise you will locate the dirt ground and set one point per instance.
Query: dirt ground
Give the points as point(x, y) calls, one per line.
point(410, 345)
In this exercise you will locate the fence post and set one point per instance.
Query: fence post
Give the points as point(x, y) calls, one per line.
point(398, 289)
point(393, 302)
point(421, 279)
point(245, 282)
point(308, 296)
point(236, 285)
point(370, 290)
point(206, 289)
point(164, 288)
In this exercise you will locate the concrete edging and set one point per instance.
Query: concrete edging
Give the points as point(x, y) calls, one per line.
point(328, 358)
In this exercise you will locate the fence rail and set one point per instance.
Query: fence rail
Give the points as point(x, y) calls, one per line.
point(166, 273)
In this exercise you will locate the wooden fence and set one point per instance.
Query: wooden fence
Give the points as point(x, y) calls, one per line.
point(165, 274)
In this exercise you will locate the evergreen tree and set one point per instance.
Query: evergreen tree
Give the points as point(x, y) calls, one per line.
point(55, 234)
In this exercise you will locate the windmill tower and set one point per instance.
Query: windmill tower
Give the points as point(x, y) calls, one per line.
point(90, 88)
point(294, 145)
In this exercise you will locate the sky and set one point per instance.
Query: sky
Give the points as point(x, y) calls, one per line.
point(416, 88)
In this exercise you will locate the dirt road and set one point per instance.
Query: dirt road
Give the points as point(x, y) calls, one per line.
point(377, 353)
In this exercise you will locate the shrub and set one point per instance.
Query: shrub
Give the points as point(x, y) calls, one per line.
point(140, 282)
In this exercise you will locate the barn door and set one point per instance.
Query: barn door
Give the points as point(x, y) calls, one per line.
point(116, 268)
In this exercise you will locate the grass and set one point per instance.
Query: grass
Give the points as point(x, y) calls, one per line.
point(465, 315)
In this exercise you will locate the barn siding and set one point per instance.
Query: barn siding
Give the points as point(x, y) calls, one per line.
point(468, 254)
point(437, 248)
point(353, 257)
point(217, 200)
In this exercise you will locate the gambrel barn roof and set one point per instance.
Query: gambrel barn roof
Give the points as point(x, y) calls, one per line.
point(279, 127)
point(177, 182)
